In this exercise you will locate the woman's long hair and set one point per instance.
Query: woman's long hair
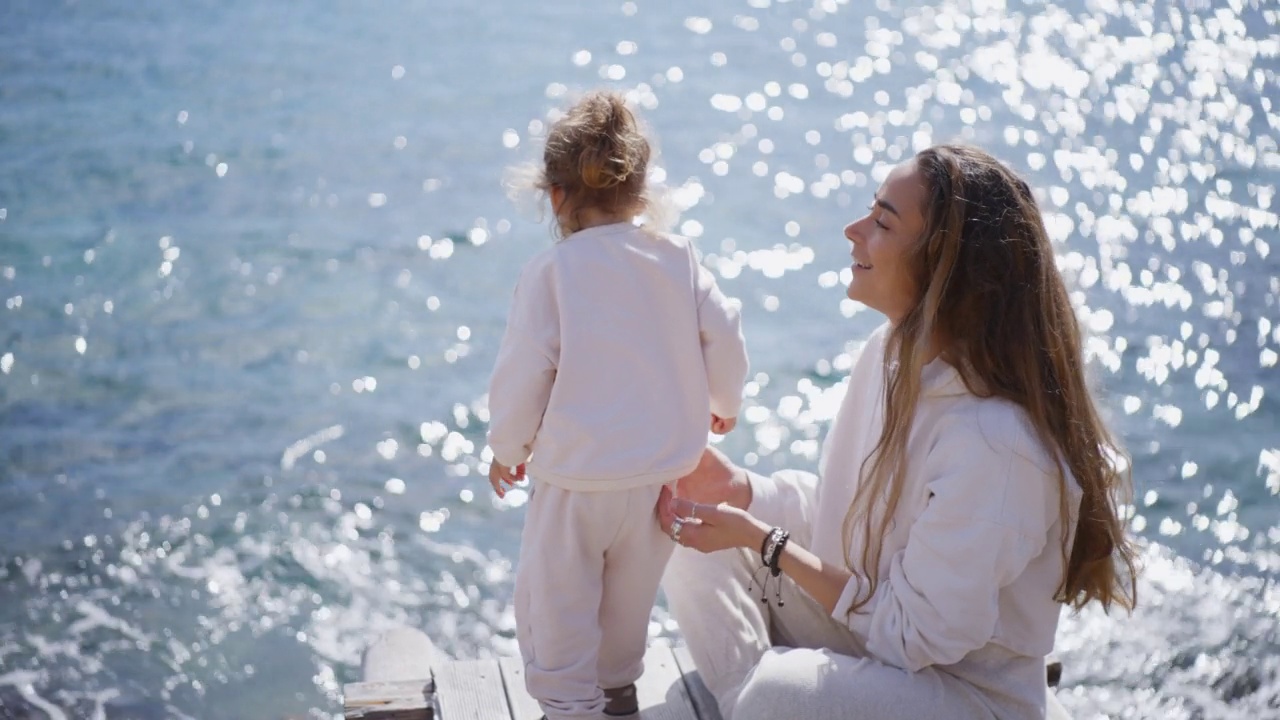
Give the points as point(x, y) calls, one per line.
point(994, 301)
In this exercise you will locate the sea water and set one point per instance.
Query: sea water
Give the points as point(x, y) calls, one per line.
point(255, 259)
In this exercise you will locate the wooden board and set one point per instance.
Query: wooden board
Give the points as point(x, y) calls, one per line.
point(703, 701)
point(495, 689)
point(396, 700)
point(399, 685)
point(523, 706)
point(471, 690)
point(661, 689)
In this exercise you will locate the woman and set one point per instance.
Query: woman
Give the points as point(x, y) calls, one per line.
point(968, 487)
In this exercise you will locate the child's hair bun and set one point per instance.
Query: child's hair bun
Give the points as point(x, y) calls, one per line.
point(598, 157)
point(611, 159)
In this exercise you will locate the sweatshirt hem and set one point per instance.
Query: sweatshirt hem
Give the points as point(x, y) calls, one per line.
point(630, 482)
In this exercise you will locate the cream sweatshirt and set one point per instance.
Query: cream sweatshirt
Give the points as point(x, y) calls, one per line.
point(618, 347)
point(973, 557)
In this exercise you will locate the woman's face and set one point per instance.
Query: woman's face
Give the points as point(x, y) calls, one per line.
point(881, 241)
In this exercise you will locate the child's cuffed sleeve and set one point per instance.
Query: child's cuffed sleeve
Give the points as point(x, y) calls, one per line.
point(724, 350)
point(526, 367)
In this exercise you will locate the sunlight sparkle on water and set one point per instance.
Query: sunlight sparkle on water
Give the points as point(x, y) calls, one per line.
point(1149, 131)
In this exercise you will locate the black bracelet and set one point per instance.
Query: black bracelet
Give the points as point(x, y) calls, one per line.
point(776, 555)
point(770, 554)
point(770, 543)
point(764, 546)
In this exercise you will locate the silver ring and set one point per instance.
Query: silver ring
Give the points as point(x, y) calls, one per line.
point(676, 526)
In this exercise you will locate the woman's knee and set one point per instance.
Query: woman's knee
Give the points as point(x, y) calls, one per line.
point(822, 684)
point(785, 683)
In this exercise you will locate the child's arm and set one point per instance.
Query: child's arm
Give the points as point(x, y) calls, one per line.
point(724, 351)
point(524, 372)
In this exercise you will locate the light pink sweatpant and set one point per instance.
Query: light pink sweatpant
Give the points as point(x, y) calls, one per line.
point(590, 564)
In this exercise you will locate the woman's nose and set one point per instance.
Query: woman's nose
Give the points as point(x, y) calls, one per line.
point(851, 232)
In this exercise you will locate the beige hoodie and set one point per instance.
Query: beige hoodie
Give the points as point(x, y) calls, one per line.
point(972, 559)
point(618, 348)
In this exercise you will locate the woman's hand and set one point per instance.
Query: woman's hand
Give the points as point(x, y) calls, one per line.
point(715, 480)
point(708, 528)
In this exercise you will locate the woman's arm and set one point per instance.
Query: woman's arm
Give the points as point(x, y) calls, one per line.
point(785, 498)
point(708, 528)
point(823, 582)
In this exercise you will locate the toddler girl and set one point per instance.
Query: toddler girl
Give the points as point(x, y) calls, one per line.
point(618, 348)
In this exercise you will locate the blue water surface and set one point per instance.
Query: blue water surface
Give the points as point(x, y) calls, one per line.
point(255, 258)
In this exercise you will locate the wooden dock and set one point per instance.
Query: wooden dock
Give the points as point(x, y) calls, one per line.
point(407, 678)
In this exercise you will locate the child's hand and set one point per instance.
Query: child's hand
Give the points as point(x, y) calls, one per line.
point(499, 473)
point(720, 425)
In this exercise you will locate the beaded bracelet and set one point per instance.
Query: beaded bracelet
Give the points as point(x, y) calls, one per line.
point(770, 555)
point(769, 545)
point(776, 554)
point(764, 548)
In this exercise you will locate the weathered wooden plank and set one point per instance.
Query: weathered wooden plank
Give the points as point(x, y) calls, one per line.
point(661, 690)
point(397, 678)
point(704, 703)
point(471, 690)
point(399, 685)
point(396, 700)
point(523, 706)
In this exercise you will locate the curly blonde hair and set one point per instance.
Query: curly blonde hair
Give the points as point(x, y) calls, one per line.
point(598, 156)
